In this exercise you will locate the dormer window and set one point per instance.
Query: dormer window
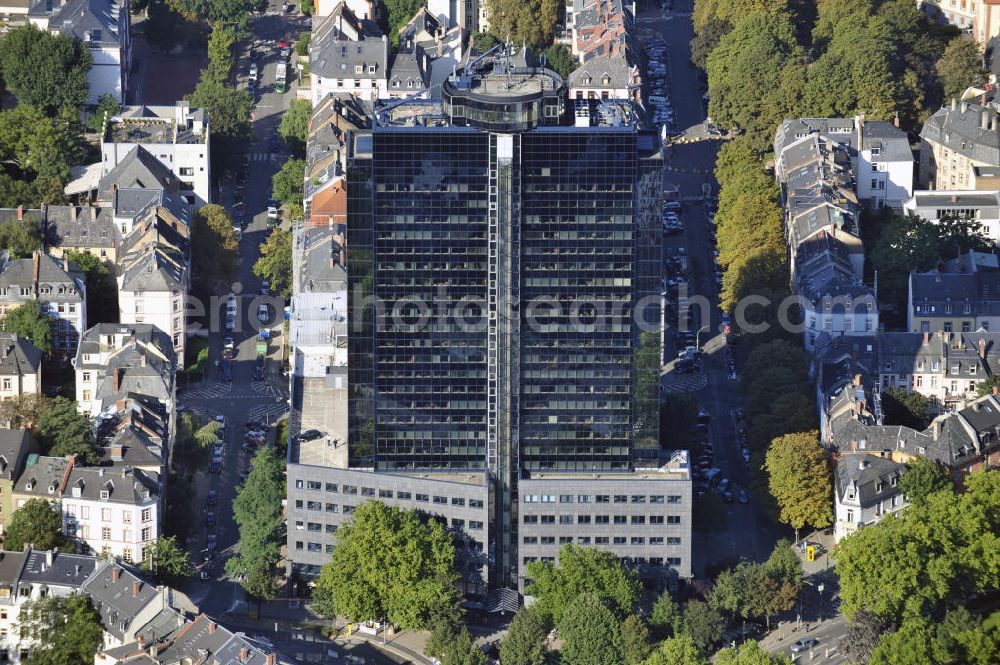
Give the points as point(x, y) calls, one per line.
point(371, 69)
point(606, 80)
point(105, 494)
point(587, 80)
point(359, 69)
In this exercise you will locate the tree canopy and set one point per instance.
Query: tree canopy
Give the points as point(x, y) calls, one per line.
point(388, 564)
point(533, 22)
point(287, 183)
point(45, 70)
point(524, 643)
point(960, 66)
point(102, 292)
point(275, 262)
point(38, 152)
point(295, 125)
point(800, 480)
point(213, 243)
point(679, 650)
point(922, 479)
point(258, 513)
point(703, 624)
point(66, 630)
point(581, 570)
point(911, 410)
point(960, 637)
point(935, 552)
point(397, 14)
point(37, 523)
point(166, 561)
point(20, 239)
point(750, 653)
point(62, 430)
point(589, 631)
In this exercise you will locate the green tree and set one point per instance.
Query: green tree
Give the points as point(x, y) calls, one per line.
point(295, 125)
point(287, 183)
point(275, 262)
point(66, 630)
point(20, 239)
point(229, 108)
point(932, 554)
point(102, 291)
point(750, 653)
point(960, 67)
point(302, 44)
point(800, 481)
point(533, 22)
point(213, 243)
point(189, 454)
point(986, 386)
point(388, 564)
point(462, 650)
point(166, 561)
point(62, 430)
point(863, 634)
point(922, 479)
point(165, 25)
point(581, 570)
point(633, 640)
point(15, 192)
point(743, 591)
point(22, 411)
point(589, 632)
point(220, 54)
point(397, 14)
point(232, 13)
point(665, 616)
point(703, 624)
point(907, 409)
point(45, 70)
point(783, 565)
point(524, 643)
point(40, 150)
point(733, 10)
point(483, 41)
point(107, 106)
point(707, 39)
point(560, 59)
point(259, 515)
point(679, 650)
point(36, 523)
point(755, 76)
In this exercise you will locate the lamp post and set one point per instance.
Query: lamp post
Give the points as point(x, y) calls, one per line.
point(697, 337)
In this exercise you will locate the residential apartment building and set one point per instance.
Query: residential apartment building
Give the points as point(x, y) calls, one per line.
point(153, 276)
point(142, 624)
point(438, 41)
point(348, 55)
point(818, 191)
point(20, 367)
point(324, 191)
point(480, 195)
point(953, 302)
point(881, 161)
point(118, 361)
point(954, 141)
point(56, 285)
point(15, 444)
point(605, 77)
point(178, 136)
point(980, 19)
point(469, 15)
point(981, 206)
point(867, 489)
point(363, 8)
point(112, 511)
point(104, 27)
point(89, 229)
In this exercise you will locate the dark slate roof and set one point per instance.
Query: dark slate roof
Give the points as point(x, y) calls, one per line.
point(615, 67)
point(933, 294)
point(960, 129)
point(123, 484)
point(116, 601)
point(892, 142)
point(73, 226)
point(19, 273)
point(145, 333)
point(320, 269)
point(332, 54)
point(56, 568)
point(155, 269)
point(11, 564)
point(42, 473)
point(876, 478)
point(138, 169)
point(13, 444)
point(407, 71)
point(18, 356)
point(91, 21)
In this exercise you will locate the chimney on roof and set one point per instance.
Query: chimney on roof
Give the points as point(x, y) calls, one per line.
point(857, 379)
point(927, 338)
point(343, 258)
point(244, 654)
point(996, 391)
point(136, 587)
point(20, 213)
point(863, 463)
point(142, 359)
point(116, 379)
point(954, 103)
point(937, 428)
point(982, 348)
point(270, 659)
point(36, 255)
point(212, 627)
point(116, 573)
point(984, 119)
point(48, 558)
point(154, 650)
point(141, 639)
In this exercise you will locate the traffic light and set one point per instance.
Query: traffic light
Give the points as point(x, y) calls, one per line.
point(810, 553)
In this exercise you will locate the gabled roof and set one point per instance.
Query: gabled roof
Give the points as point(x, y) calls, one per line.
point(18, 356)
point(43, 476)
point(80, 226)
point(119, 595)
point(873, 478)
point(63, 276)
point(55, 568)
point(592, 73)
point(94, 22)
point(138, 169)
point(14, 444)
point(121, 484)
point(335, 52)
point(960, 129)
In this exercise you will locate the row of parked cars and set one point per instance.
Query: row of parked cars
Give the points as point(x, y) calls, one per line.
point(661, 110)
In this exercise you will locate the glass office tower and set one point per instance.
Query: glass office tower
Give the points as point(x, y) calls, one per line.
point(493, 321)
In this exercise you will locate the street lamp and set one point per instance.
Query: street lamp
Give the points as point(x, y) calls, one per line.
point(697, 337)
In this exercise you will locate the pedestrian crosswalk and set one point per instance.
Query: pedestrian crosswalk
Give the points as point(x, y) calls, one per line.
point(683, 383)
point(213, 391)
point(267, 412)
point(260, 156)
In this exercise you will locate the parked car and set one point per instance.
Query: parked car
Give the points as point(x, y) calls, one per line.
point(309, 435)
point(258, 369)
point(272, 212)
point(212, 542)
point(263, 313)
point(227, 370)
point(213, 498)
point(253, 70)
point(265, 287)
point(804, 644)
point(210, 520)
point(744, 496)
point(228, 344)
